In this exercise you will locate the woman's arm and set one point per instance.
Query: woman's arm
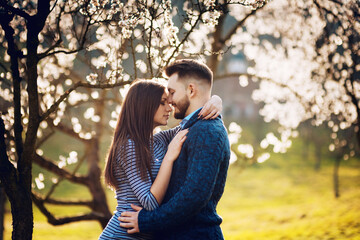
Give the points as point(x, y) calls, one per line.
point(161, 183)
point(140, 187)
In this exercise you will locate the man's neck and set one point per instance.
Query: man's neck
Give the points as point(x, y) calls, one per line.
point(195, 105)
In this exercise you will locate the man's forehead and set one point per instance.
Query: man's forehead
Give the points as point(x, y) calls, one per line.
point(171, 83)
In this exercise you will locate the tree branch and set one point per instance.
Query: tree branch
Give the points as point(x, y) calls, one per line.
point(4, 67)
point(265, 79)
point(47, 52)
point(149, 46)
point(60, 221)
point(42, 140)
point(52, 189)
point(182, 41)
point(69, 203)
point(133, 56)
point(238, 25)
point(62, 202)
point(52, 167)
point(76, 85)
point(68, 131)
point(13, 10)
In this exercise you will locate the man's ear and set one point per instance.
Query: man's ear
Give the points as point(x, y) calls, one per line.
point(192, 90)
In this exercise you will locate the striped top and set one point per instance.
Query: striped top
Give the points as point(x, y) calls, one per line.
point(131, 189)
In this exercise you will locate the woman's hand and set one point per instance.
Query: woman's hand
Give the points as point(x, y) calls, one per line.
point(175, 145)
point(160, 185)
point(212, 108)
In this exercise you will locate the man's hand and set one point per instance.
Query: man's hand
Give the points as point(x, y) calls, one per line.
point(129, 220)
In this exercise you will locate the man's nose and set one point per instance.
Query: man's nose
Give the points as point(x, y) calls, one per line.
point(170, 99)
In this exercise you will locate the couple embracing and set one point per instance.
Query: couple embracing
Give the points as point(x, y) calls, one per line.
point(168, 184)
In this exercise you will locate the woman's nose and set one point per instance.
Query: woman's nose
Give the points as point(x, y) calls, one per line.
point(168, 108)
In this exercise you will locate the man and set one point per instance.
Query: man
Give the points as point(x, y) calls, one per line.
point(197, 183)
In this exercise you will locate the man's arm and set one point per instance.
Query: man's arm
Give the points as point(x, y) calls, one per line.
point(205, 153)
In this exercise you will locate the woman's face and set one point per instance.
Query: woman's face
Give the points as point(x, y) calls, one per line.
point(162, 114)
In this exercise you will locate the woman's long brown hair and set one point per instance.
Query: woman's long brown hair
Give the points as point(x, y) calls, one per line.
point(135, 122)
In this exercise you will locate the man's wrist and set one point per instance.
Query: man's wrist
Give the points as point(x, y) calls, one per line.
point(141, 221)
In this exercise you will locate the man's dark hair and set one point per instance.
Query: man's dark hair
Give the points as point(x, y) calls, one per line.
point(190, 68)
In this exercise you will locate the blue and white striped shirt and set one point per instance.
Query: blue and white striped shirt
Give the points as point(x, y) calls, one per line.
point(131, 189)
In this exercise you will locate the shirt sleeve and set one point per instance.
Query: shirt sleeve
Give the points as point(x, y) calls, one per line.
point(203, 167)
point(167, 135)
point(140, 187)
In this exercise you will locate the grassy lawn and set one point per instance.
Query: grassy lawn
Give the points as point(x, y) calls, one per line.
point(283, 198)
point(290, 202)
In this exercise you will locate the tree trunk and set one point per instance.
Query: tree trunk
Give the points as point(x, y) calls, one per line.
point(317, 156)
point(336, 176)
point(18, 194)
point(305, 150)
point(22, 215)
point(93, 149)
point(2, 211)
point(95, 187)
point(217, 45)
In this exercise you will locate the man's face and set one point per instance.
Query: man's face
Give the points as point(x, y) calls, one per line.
point(178, 96)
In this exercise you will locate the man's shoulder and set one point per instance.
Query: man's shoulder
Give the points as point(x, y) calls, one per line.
point(208, 129)
point(214, 124)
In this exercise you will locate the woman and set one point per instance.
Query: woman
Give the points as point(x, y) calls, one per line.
point(139, 163)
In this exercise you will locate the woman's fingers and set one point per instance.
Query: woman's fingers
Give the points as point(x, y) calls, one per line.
point(204, 111)
point(182, 140)
point(213, 114)
point(135, 207)
point(126, 225)
point(133, 230)
point(126, 214)
point(182, 133)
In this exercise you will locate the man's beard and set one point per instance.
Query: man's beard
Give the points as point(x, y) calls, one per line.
point(182, 106)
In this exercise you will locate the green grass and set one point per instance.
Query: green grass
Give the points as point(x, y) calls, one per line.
point(283, 198)
point(292, 202)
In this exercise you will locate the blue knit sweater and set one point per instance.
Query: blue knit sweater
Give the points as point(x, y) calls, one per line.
point(197, 184)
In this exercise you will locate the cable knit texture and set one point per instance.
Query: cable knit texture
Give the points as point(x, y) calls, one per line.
point(197, 184)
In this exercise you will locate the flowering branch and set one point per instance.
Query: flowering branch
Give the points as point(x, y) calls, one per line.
point(55, 106)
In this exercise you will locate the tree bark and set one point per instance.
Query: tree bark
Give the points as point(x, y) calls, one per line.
point(17, 181)
point(336, 176)
point(2, 211)
point(93, 149)
point(21, 207)
point(318, 155)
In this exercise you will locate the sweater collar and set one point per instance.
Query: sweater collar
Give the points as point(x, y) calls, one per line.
point(188, 122)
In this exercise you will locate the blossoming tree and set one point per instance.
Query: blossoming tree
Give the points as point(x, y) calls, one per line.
point(309, 67)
